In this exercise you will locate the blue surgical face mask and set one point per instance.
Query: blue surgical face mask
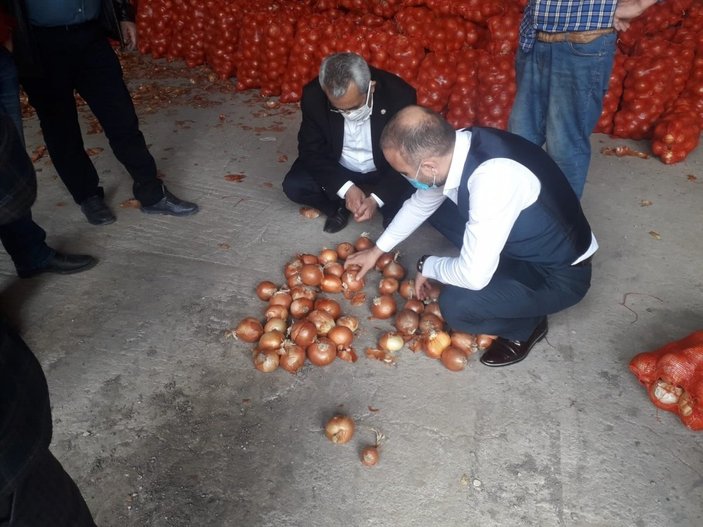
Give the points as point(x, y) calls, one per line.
point(419, 184)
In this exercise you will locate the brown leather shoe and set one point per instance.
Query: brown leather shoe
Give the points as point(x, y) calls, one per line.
point(504, 352)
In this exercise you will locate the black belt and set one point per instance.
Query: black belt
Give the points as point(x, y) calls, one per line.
point(67, 28)
point(584, 263)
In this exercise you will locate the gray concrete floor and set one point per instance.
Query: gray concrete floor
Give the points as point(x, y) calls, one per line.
point(164, 422)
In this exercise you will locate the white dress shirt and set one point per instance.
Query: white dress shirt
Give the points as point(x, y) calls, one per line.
point(499, 190)
point(357, 152)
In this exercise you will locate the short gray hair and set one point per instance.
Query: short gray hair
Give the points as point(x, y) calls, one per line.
point(416, 133)
point(339, 69)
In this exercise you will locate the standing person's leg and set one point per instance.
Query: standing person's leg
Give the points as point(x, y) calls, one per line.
point(10, 90)
point(528, 116)
point(52, 97)
point(25, 242)
point(99, 81)
point(579, 77)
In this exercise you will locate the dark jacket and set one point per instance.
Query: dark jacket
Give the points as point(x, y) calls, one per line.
point(112, 13)
point(18, 181)
point(25, 413)
point(321, 135)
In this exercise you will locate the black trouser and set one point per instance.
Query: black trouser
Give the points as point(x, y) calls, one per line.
point(80, 58)
point(46, 496)
point(301, 187)
point(24, 241)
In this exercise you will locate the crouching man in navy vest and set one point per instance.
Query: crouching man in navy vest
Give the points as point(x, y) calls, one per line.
point(525, 243)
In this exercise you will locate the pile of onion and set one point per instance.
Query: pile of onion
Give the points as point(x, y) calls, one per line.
point(299, 323)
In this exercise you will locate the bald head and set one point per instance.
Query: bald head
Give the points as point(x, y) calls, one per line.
point(417, 133)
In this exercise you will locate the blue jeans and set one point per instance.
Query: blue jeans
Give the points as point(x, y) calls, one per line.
point(560, 89)
point(10, 90)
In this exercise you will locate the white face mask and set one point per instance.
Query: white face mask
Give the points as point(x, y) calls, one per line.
point(363, 112)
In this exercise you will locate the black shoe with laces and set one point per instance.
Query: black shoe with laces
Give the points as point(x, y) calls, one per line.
point(171, 205)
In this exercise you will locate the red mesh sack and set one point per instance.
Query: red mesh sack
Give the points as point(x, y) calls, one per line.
point(673, 376)
point(463, 101)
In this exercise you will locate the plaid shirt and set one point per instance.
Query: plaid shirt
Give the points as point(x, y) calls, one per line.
point(557, 16)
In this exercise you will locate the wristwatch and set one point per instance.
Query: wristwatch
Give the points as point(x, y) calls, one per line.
point(421, 262)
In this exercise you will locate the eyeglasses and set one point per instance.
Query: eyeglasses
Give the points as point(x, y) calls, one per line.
point(349, 111)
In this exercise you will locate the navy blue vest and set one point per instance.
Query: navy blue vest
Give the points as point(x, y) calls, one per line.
point(553, 231)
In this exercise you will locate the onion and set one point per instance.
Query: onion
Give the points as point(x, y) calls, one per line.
point(276, 312)
point(686, 404)
point(322, 352)
point(334, 268)
point(277, 324)
point(363, 242)
point(484, 341)
point(311, 274)
point(330, 306)
point(391, 342)
point(388, 286)
point(436, 342)
point(394, 270)
point(466, 342)
point(339, 429)
point(344, 249)
point(327, 256)
point(292, 357)
point(342, 336)
point(301, 307)
point(407, 321)
point(433, 307)
point(265, 290)
point(308, 259)
point(407, 289)
point(453, 359)
point(347, 354)
point(281, 298)
point(303, 333)
point(302, 291)
point(266, 360)
point(369, 456)
point(249, 330)
point(349, 321)
point(323, 321)
point(383, 306)
point(429, 323)
point(271, 340)
point(331, 284)
point(416, 305)
point(350, 283)
point(292, 267)
point(294, 280)
point(384, 260)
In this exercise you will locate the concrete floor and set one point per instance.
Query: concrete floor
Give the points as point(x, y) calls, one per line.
point(164, 422)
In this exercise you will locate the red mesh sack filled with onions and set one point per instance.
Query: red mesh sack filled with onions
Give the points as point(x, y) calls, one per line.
point(673, 377)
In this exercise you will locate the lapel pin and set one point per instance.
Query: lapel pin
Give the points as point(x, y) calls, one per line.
point(383, 111)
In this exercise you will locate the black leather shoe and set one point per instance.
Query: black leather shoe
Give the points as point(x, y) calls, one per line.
point(96, 211)
point(172, 206)
point(62, 264)
point(337, 221)
point(504, 352)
